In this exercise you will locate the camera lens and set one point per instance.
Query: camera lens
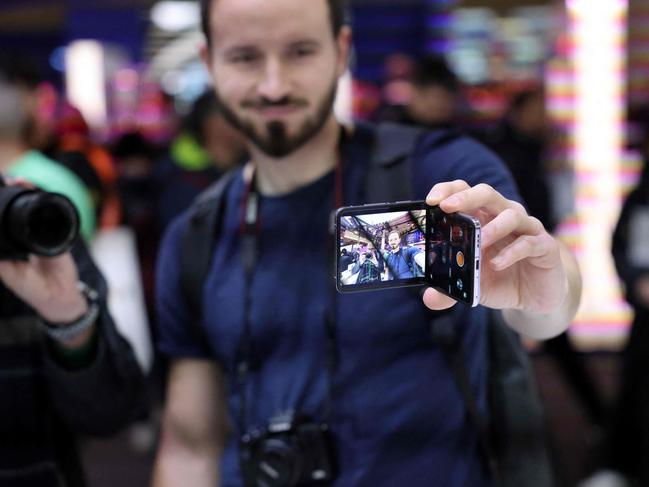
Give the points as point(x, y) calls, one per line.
point(280, 464)
point(42, 223)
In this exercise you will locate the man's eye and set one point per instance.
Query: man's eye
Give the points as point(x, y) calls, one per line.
point(301, 52)
point(245, 58)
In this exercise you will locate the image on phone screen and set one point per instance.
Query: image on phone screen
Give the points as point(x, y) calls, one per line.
point(381, 246)
point(408, 244)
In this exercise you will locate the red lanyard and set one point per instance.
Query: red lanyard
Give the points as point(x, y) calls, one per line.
point(250, 231)
point(250, 223)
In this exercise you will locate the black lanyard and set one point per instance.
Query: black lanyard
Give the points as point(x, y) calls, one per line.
point(250, 231)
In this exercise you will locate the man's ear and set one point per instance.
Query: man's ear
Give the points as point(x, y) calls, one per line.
point(344, 46)
point(205, 56)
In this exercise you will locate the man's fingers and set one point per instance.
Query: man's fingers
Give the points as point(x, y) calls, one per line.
point(17, 181)
point(510, 221)
point(441, 191)
point(436, 300)
point(459, 196)
point(522, 248)
point(479, 197)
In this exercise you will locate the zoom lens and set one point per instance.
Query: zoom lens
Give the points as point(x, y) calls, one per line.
point(35, 222)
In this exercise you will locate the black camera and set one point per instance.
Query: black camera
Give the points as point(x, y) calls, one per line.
point(290, 451)
point(33, 221)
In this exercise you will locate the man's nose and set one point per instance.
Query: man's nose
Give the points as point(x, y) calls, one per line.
point(274, 85)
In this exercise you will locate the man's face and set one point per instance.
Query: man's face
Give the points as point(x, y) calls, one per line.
point(275, 66)
point(394, 241)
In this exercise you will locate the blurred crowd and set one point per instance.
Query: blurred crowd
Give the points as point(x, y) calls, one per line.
point(143, 182)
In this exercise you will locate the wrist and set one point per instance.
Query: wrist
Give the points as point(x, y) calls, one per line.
point(76, 331)
point(66, 312)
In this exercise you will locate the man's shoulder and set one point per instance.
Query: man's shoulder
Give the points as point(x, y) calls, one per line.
point(448, 146)
point(460, 157)
point(217, 190)
point(452, 146)
point(412, 250)
point(196, 215)
point(46, 173)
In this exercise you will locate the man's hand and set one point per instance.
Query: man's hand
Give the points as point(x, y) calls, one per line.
point(522, 267)
point(47, 284)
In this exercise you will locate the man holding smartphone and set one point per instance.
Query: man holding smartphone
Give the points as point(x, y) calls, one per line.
point(403, 262)
point(360, 371)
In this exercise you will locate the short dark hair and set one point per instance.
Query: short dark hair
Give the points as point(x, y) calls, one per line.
point(18, 69)
point(205, 106)
point(522, 98)
point(337, 16)
point(433, 70)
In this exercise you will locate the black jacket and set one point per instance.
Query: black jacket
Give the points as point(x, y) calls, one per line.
point(44, 406)
point(629, 271)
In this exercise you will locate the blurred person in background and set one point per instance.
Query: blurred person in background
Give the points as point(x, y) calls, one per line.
point(522, 140)
point(434, 99)
point(135, 160)
point(628, 439)
point(74, 148)
point(18, 159)
point(206, 148)
point(65, 371)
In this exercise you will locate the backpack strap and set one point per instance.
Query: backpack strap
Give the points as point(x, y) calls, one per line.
point(390, 179)
point(442, 333)
point(197, 244)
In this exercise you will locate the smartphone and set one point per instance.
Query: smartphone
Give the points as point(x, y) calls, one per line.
point(409, 243)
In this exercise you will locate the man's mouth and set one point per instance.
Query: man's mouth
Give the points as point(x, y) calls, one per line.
point(278, 110)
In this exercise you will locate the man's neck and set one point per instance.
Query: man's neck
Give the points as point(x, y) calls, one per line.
point(300, 168)
point(10, 152)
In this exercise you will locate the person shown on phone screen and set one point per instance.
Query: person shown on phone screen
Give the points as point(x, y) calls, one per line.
point(403, 262)
point(276, 336)
point(369, 268)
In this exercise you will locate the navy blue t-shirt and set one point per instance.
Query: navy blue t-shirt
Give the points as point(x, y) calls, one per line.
point(398, 417)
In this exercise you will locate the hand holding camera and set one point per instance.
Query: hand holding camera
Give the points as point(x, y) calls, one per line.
point(37, 229)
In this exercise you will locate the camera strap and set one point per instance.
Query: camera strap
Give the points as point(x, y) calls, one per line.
point(250, 231)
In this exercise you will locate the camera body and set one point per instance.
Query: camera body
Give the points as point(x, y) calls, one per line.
point(290, 451)
point(35, 222)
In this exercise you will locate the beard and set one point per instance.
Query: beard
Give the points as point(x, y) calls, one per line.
point(273, 139)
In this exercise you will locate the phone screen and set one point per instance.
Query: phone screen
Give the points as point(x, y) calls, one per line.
point(407, 244)
point(381, 246)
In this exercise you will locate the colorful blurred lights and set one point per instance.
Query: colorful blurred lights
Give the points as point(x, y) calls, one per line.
point(85, 80)
point(598, 30)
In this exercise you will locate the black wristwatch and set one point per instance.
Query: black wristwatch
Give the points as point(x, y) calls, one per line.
point(69, 331)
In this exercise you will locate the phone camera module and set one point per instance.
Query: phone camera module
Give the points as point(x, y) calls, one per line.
point(459, 284)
